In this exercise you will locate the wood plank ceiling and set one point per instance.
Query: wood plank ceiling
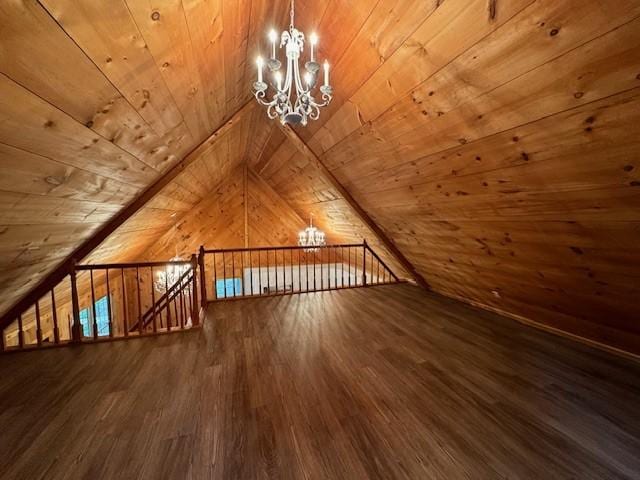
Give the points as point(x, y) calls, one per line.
point(494, 141)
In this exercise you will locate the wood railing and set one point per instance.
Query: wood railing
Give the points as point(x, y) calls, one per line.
point(250, 272)
point(108, 301)
point(97, 303)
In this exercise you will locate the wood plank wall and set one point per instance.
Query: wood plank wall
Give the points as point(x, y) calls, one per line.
point(500, 152)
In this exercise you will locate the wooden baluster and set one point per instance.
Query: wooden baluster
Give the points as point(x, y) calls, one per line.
point(153, 303)
point(322, 250)
point(93, 307)
point(342, 265)
point(364, 263)
point(203, 277)
point(195, 317)
point(38, 325)
point(215, 276)
point(299, 271)
point(259, 272)
point(20, 332)
point(233, 272)
point(268, 273)
point(275, 261)
point(54, 315)
point(182, 309)
point(76, 329)
point(166, 293)
point(349, 263)
point(224, 274)
point(109, 311)
point(371, 270)
point(291, 265)
point(125, 319)
point(175, 308)
point(242, 273)
point(140, 321)
point(251, 271)
point(315, 258)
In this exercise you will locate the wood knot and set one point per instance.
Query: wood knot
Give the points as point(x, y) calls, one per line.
point(89, 124)
point(554, 32)
point(155, 16)
point(48, 124)
point(590, 119)
point(108, 59)
point(576, 250)
point(516, 139)
point(578, 95)
point(628, 168)
point(525, 156)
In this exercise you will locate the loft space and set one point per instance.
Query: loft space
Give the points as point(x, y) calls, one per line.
point(463, 173)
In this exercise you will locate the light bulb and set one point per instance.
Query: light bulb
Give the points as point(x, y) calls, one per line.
point(308, 78)
point(260, 63)
point(313, 38)
point(273, 36)
point(278, 77)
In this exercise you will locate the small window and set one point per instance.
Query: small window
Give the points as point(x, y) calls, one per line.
point(85, 317)
point(231, 285)
point(102, 318)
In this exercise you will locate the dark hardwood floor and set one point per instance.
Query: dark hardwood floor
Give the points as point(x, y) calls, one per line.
point(383, 382)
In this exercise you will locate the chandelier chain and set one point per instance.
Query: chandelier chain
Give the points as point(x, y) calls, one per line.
point(292, 13)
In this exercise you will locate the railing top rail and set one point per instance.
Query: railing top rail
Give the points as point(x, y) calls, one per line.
point(104, 266)
point(292, 247)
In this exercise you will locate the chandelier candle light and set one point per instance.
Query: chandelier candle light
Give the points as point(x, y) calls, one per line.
point(298, 108)
point(311, 238)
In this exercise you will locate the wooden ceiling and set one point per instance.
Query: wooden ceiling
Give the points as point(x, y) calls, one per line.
point(495, 142)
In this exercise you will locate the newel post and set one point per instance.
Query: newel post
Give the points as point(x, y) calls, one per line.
point(195, 317)
point(364, 263)
point(76, 328)
point(203, 279)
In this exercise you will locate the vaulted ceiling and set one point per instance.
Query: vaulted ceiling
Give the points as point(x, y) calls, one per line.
point(494, 142)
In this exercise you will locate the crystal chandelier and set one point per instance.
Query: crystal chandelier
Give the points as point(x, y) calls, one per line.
point(171, 274)
point(304, 106)
point(311, 238)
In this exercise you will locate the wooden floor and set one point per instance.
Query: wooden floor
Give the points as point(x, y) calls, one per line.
point(384, 382)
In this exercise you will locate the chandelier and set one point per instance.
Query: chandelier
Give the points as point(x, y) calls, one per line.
point(311, 238)
point(171, 274)
point(304, 106)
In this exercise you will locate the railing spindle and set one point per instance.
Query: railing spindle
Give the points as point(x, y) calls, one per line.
point(140, 322)
point(125, 316)
point(224, 274)
point(195, 317)
point(109, 312)
point(233, 273)
point(275, 261)
point(168, 306)
point(38, 325)
point(203, 277)
point(153, 303)
point(54, 316)
point(93, 307)
point(20, 332)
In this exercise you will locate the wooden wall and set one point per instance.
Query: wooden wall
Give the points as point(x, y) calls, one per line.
point(499, 150)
